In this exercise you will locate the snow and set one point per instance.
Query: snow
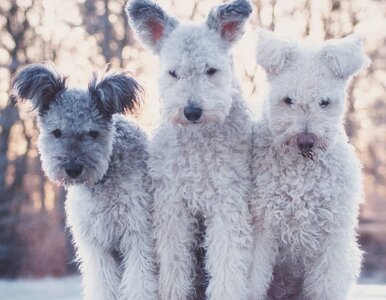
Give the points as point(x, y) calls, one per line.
point(368, 292)
point(68, 288)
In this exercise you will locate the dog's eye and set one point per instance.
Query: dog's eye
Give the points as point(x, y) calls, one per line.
point(57, 133)
point(324, 103)
point(173, 74)
point(93, 133)
point(288, 101)
point(211, 71)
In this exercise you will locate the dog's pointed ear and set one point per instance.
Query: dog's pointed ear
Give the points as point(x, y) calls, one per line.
point(229, 19)
point(38, 83)
point(345, 57)
point(115, 93)
point(273, 53)
point(151, 23)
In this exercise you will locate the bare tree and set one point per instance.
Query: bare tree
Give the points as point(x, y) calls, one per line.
point(111, 37)
point(17, 27)
point(16, 170)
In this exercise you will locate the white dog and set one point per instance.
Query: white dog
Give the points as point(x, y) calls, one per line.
point(307, 179)
point(200, 154)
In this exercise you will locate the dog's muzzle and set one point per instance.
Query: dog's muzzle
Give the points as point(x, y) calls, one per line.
point(306, 143)
point(192, 113)
point(73, 169)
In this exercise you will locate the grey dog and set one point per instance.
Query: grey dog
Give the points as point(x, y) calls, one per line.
point(100, 157)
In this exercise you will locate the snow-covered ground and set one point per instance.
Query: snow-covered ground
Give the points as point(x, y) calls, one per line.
point(69, 289)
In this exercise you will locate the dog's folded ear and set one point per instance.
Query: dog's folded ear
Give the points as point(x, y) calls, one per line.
point(229, 19)
point(115, 93)
point(345, 57)
point(151, 22)
point(39, 83)
point(274, 54)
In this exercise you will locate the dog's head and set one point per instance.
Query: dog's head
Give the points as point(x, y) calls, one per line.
point(196, 80)
point(307, 89)
point(76, 126)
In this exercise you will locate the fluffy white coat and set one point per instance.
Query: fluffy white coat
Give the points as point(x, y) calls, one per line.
point(305, 210)
point(200, 169)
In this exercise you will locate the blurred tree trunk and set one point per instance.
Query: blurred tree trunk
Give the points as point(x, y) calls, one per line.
point(18, 27)
point(110, 27)
point(22, 182)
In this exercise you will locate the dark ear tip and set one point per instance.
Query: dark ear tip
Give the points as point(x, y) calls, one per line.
point(249, 8)
point(136, 8)
point(116, 93)
point(242, 7)
point(36, 69)
point(39, 83)
point(129, 5)
point(246, 4)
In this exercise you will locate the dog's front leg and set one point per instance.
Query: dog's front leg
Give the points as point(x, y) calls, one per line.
point(330, 276)
point(229, 250)
point(174, 229)
point(264, 258)
point(139, 280)
point(100, 272)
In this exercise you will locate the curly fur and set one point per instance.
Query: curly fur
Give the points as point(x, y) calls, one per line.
point(200, 169)
point(305, 210)
point(108, 203)
point(110, 223)
point(185, 164)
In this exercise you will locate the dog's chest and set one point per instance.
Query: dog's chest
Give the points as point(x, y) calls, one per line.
point(99, 218)
point(204, 168)
point(298, 205)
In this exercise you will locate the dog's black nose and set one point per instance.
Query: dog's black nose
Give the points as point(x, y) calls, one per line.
point(306, 141)
point(192, 113)
point(73, 169)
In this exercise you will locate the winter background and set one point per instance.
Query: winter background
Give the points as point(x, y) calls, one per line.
point(79, 36)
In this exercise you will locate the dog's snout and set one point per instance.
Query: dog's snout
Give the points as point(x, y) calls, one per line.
point(306, 141)
point(192, 113)
point(73, 169)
